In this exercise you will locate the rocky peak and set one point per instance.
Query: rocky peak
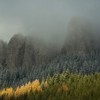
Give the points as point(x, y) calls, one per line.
point(25, 51)
point(3, 52)
point(80, 38)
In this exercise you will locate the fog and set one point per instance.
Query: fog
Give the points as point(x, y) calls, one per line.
point(46, 19)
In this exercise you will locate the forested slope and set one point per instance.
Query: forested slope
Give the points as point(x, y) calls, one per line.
point(65, 86)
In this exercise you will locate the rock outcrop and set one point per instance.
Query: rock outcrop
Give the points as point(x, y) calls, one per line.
point(81, 38)
point(24, 51)
point(15, 51)
point(3, 52)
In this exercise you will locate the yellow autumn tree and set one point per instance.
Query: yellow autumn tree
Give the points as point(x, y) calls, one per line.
point(35, 84)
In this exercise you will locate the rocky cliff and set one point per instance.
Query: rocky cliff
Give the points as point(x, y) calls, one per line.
point(81, 37)
point(27, 51)
point(24, 51)
point(3, 52)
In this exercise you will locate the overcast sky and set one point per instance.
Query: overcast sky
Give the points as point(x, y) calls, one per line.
point(44, 18)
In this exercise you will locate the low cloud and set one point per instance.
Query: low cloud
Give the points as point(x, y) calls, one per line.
point(46, 19)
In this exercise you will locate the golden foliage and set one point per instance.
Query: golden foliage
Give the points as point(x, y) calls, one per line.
point(21, 90)
point(9, 92)
point(46, 84)
point(42, 83)
point(63, 87)
point(39, 89)
point(17, 92)
point(35, 85)
point(2, 92)
point(27, 88)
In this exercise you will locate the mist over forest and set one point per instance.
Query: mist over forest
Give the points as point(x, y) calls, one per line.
point(56, 42)
point(45, 19)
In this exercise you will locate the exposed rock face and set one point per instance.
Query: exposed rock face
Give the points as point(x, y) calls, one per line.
point(15, 51)
point(3, 52)
point(25, 52)
point(80, 38)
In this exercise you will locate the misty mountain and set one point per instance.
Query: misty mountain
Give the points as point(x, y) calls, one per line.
point(3, 52)
point(26, 51)
point(25, 58)
point(81, 37)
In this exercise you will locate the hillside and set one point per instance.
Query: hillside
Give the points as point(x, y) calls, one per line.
point(82, 37)
point(26, 58)
point(65, 86)
point(25, 51)
point(49, 49)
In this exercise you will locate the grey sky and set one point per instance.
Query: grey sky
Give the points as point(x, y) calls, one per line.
point(44, 18)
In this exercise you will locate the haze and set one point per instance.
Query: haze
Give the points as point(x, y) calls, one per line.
point(47, 19)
